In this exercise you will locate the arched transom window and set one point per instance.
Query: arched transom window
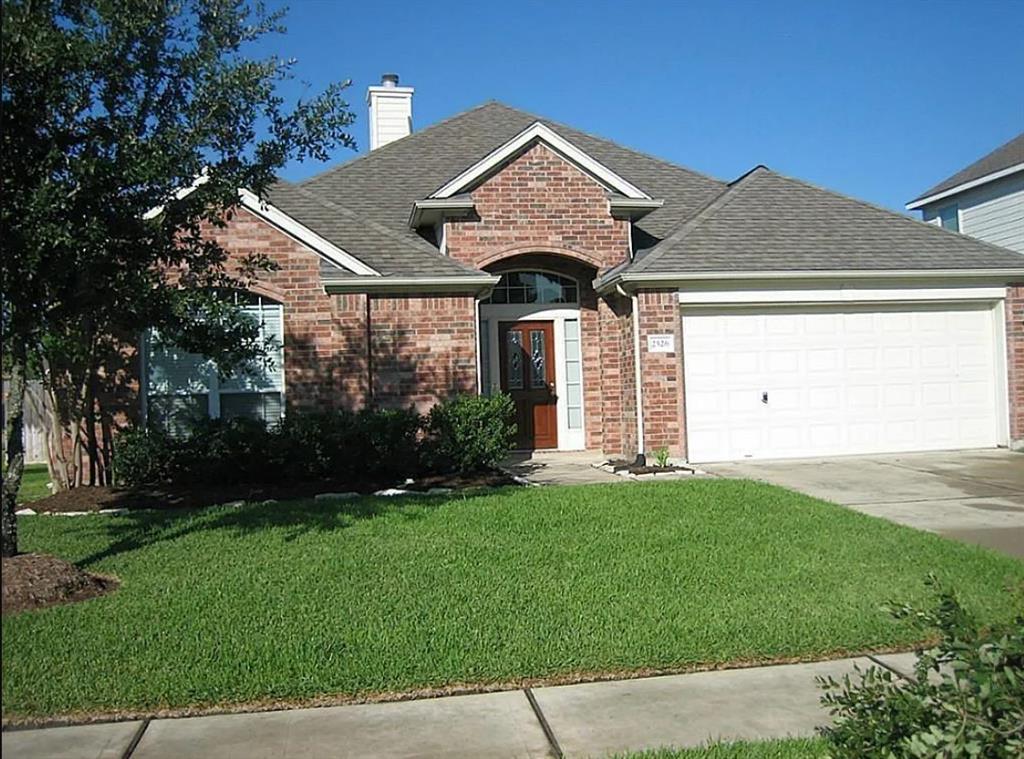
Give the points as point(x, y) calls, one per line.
point(534, 287)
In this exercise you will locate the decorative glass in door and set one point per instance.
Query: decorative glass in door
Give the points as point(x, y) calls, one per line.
point(538, 359)
point(515, 359)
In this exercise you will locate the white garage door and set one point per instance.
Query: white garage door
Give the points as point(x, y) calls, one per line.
point(832, 380)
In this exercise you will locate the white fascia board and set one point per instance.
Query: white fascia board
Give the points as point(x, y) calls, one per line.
point(841, 294)
point(633, 281)
point(633, 208)
point(915, 204)
point(468, 283)
point(437, 209)
point(181, 192)
point(304, 234)
point(566, 149)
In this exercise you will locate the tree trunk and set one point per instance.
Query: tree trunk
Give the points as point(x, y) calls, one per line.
point(15, 451)
point(60, 472)
point(92, 444)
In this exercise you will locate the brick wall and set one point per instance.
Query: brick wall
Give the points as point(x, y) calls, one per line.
point(1015, 361)
point(541, 212)
point(325, 336)
point(423, 348)
point(662, 373)
point(539, 202)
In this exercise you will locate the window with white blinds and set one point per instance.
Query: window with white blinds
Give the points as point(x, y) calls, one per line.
point(182, 386)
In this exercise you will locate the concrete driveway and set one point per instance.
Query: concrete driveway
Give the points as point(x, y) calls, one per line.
point(976, 496)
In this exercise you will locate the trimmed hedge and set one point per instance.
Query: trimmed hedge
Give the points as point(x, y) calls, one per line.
point(463, 434)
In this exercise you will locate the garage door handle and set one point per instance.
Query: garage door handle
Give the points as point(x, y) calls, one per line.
point(764, 396)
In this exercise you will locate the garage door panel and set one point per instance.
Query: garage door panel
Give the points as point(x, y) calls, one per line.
point(843, 379)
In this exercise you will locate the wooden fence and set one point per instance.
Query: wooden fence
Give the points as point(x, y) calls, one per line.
point(35, 421)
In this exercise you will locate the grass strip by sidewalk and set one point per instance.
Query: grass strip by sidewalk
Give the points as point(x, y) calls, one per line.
point(791, 748)
point(299, 600)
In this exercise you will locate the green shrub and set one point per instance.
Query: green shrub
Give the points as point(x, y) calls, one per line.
point(316, 445)
point(374, 446)
point(142, 457)
point(469, 433)
point(226, 452)
point(965, 700)
point(386, 442)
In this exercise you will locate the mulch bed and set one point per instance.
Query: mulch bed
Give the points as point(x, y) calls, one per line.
point(34, 580)
point(199, 496)
point(620, 465)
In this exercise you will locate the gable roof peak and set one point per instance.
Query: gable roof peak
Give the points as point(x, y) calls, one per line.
point(536, 132)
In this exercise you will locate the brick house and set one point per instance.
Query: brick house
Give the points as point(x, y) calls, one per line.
point(625, 303)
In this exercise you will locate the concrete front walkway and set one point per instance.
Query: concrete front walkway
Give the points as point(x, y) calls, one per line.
point(559, 467)
point(586, 720)
point(976, 496)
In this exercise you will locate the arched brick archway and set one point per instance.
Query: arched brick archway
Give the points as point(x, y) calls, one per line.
point(557, 257)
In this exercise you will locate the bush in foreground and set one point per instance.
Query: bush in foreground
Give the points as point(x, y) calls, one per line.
point(470, 433)
point(965, 700)
point(463, 434)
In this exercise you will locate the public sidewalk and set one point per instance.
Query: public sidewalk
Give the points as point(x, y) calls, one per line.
point(587, 720)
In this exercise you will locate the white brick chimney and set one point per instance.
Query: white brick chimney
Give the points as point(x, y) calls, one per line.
point(390, 111)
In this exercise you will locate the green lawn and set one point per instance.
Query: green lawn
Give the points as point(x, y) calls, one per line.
point(301, 599)
point(34, 483)
point(795, 748)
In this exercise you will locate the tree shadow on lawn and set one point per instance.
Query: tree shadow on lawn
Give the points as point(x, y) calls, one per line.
point(141, 529)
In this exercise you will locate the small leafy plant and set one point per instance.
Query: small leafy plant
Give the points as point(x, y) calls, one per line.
point(966, 698)
point(661, 457)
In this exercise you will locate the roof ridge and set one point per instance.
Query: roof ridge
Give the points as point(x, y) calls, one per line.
point(426, 248)
point(709, 209)
point(619, 145)
point(888, 211)
point(530, 114)
point(377, 151)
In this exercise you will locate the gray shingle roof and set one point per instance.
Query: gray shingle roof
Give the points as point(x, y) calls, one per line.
point(385, 250)
point(363, 206)
point(767, 222)
point(1003, 157)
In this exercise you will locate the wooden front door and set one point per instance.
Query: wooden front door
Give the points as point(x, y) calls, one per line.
point(527, 354)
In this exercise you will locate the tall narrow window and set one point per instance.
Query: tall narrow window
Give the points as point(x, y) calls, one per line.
point(949, 217)
point(573, 378)
point(485, 357)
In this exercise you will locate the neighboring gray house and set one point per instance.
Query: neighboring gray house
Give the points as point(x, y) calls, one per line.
point(984, 200)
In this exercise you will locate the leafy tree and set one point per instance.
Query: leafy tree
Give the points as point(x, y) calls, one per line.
point(109, 109)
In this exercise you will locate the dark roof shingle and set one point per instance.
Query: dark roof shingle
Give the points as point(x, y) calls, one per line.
point(766, 222)
point(1003, 157)
point(364, 204)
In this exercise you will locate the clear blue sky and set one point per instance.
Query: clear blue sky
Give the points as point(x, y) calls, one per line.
point(879, 100)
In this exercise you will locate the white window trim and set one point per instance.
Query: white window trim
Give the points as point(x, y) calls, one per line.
point(538, 131)
point(213, 391)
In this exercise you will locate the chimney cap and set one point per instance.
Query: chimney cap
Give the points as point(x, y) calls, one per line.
point(389, 80)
